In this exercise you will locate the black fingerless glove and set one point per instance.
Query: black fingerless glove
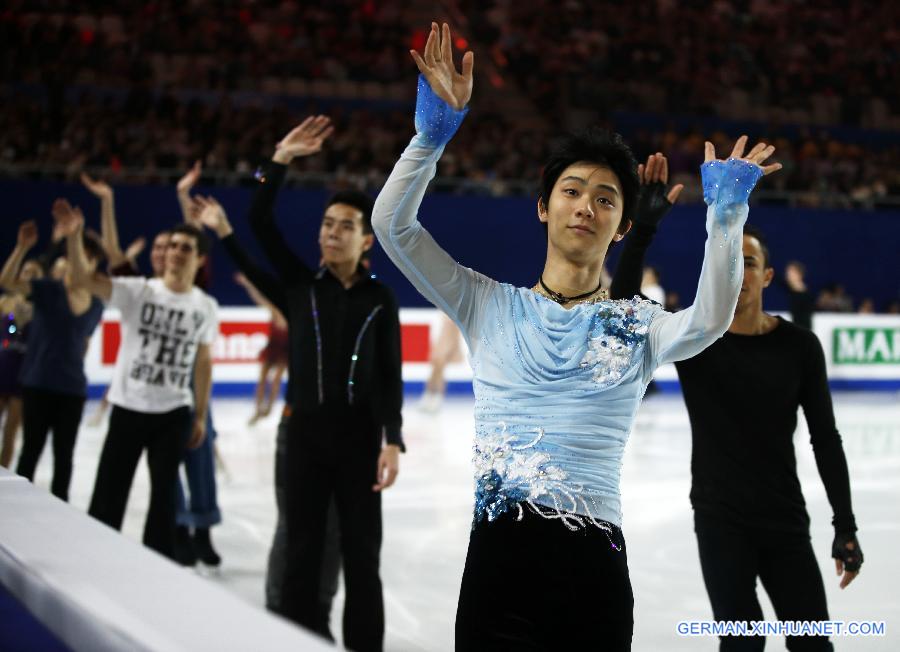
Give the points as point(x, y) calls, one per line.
point(652, 204)
point(846, 548)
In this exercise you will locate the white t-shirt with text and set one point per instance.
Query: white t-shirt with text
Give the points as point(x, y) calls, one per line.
point(161, 331)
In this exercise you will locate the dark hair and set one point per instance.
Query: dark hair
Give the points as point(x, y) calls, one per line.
point(600, 146)
point(755, 232)
point(194, 232)
point(359, 200)
point(93, 249)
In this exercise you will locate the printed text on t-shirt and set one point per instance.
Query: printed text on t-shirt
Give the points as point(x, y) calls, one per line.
point(168, 345)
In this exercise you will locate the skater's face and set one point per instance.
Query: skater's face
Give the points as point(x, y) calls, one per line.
point(757, 275)
point(58, 269)
point(341, 236)
point(158, 253)
point(584, 212)
point(182, 256)
point(30, 271)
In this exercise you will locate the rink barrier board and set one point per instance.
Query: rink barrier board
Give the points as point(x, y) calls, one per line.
point(862, 352)
point(96, 590)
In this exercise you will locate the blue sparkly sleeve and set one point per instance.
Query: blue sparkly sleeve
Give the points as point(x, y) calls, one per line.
point(436, 121)
point(726, 189)
point(459, 291)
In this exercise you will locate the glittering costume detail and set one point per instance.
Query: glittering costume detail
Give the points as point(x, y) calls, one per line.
point(315, 314)
point(617, 337)
point(726, 183)
point(711, 175)
point(355, 356)
point(509, 474)
point(436, 121)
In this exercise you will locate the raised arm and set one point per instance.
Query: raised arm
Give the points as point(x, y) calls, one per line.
point(208, 212)
point(183, 190)
point(726, 190)
point(259, 298)
point(304, 140)
point(9, 276)
point(655, 200)
point(109, 231)
point(440, 108)
point(81, 273)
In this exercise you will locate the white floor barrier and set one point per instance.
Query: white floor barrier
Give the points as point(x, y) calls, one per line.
point(98, 590)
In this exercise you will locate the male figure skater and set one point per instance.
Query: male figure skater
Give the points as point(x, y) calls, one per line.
point(344, 433)
point(742, 394)
point(559, 371)
point(168, 325)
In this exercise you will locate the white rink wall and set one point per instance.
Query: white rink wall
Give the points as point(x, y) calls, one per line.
point(861, 351)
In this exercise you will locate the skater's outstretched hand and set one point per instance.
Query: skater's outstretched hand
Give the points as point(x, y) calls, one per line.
point(135, 248)
point(28, 235)
point(190, 179)
point(67, 218)
point(758, 155)
point(97, 187)
point(208, 212)
point(303, 140)
point(655, 198)
point(388, 467)
point(455, 88)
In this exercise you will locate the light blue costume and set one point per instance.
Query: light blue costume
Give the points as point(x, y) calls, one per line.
point(556, 390)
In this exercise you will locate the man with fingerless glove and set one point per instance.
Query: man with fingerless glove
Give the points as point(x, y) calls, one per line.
point(742, 395)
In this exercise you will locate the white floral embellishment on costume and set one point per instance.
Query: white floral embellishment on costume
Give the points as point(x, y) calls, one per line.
point(618, 333)
point(508, 475)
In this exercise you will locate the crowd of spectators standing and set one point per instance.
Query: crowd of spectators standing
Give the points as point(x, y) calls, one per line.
point(144, 89)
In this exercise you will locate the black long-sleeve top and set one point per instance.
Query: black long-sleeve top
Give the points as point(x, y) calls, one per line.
point(742, 395)
point(344, 342)
point(267, 284)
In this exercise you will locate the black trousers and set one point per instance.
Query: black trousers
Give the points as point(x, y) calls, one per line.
point(331, 551)
point(733, 557)
point(42, 412)
point(329, 458)
point(535, 585)
point(165, 438)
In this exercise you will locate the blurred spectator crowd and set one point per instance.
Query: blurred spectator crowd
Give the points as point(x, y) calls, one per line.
point(143, 89)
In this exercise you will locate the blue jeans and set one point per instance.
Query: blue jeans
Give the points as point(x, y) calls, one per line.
point(200, 467)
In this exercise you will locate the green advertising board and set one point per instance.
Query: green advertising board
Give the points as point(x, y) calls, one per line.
point(866, 345)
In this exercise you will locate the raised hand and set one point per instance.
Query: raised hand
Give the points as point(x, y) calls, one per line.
point(28, 235)
point(756, 156)
point(655, 197)
point(135, 248)
point(68, 218)
point(455, 88)
point(98, 188)
point(303, 140)
point(210, 213)
point(190, 179)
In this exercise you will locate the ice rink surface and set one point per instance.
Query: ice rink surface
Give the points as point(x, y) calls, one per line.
point(427, 517)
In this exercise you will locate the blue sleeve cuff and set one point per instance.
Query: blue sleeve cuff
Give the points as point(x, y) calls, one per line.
point(729, 182)
point(436, 121)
